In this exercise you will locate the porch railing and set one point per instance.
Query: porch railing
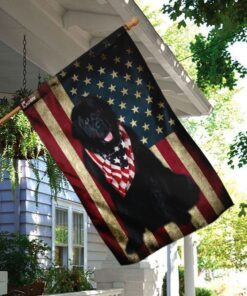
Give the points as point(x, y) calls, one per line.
point(112, 292)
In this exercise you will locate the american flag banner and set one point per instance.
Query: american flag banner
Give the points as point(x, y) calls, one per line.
point(141, 178)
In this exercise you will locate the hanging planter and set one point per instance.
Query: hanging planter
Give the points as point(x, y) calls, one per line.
point(18, 140)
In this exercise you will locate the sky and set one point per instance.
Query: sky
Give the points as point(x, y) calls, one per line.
point(238, 52)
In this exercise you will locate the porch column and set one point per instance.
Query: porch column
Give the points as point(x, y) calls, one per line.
point(172, 279)
point(190, 265)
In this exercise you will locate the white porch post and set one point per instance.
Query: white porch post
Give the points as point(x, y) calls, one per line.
point(172, 280)
point(190, 265)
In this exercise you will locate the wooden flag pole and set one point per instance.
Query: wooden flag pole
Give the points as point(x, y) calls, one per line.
point(130, 24)
point(8, 116)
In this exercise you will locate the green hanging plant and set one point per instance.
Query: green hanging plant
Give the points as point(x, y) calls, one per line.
point(18, 140)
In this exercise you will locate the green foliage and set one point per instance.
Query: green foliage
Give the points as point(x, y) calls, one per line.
point(199, 291)
point(223, 244)
point(62, 280)
point(237, 156)
point(19, 256)
point(61, 234)
point(238, 151)
point(211, 13)
point(215, 65)
point(228, 23)
point(18, 140)
point(204, 292)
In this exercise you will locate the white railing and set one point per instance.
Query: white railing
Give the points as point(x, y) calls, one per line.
point(112, 292)
point(4, 282)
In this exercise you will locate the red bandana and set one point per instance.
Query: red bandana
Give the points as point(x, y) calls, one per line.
point(118, 167)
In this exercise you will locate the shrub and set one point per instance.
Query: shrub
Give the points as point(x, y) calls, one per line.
point(204, 292)
point(19, 256)
point(62, 280)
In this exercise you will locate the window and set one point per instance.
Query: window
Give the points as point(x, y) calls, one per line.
point(69, 231)
point(61, 238)
point(78, 239)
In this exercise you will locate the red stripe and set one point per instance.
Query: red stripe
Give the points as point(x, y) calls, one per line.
point(177, 166)
point(65, 124)
point(74, 180)
point(206, 167)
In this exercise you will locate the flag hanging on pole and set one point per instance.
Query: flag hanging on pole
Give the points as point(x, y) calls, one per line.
point(142, 180)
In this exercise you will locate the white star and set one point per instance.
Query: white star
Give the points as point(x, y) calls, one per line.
point(148, 112)
point(145, 126)
point(116, 160)
point(117, 60)
point(140, 68)
point(110, 101)
point(161, 104)
point(114, 74)
point(116, 149)
point(159, 130)
point(75, 77)
point(171, 121)
point(112, 88)
point(137, 94)
point(149, 99)
point(160, 117)
point(139, 81)
point(89, 67)
point(85, 94)
point(100, 84)
point(128, 64)
point(87, 80)
point(127, 77)
point(63, 74)
point(122, 105)
point(121, 118)
point(124, 91)
point(77, 64)
point(123, 144)
point(91, 53)
point(133, 123)
point(125, 156)
point(101, 70)
point(135, 109)
point(73, 91)
point(144, 140)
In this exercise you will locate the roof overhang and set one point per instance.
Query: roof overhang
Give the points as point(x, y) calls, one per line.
point(58, 31)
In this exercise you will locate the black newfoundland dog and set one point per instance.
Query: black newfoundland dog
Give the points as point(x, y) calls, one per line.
point(145, 193)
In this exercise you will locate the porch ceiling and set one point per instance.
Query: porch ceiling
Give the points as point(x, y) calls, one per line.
point(58, 31)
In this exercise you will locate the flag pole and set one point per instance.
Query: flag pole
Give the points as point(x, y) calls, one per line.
point(130, 24)
point(8, 116)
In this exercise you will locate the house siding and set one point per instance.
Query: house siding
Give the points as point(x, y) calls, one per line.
point(35, 220)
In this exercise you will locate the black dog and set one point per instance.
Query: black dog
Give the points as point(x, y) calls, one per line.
point(156, 195)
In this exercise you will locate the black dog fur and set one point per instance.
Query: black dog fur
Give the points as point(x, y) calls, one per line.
point(156, 196)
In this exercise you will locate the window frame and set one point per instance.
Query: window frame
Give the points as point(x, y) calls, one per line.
point(71, 207)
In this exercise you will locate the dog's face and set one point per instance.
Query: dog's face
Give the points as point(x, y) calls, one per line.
point(95, 125)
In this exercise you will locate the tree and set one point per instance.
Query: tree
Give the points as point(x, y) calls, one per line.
point(215, 67)
point(228, 24)
point(213, 134)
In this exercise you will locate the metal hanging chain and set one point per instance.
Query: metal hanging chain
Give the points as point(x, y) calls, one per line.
point(24, 83)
